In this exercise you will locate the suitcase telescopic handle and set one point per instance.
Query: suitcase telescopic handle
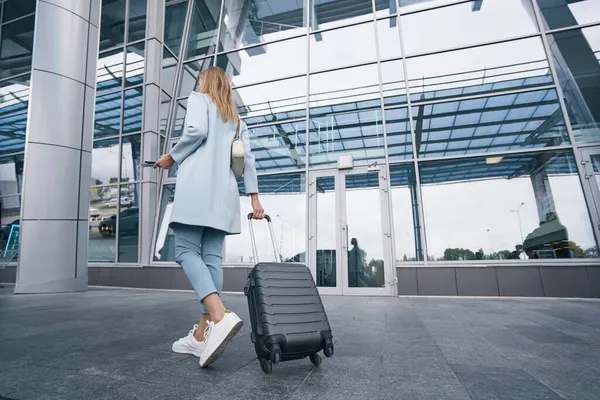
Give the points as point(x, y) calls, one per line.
point(253, 238)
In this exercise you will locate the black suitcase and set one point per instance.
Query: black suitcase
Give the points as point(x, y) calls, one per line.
point(286, 313)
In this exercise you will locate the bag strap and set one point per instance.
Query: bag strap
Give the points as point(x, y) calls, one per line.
point(237, 130)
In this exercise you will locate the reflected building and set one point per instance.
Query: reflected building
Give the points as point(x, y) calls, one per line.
point(390, 136)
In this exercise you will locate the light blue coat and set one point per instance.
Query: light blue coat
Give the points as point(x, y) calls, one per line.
point(206, 193)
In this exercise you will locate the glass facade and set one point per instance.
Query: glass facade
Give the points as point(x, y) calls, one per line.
point(379, 140)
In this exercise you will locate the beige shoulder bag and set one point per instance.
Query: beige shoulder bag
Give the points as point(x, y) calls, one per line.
point(237, 154)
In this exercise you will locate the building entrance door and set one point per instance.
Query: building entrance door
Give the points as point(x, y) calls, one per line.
point(591, 162)
point(350, 241)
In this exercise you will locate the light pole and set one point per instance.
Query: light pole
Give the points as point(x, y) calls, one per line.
point(518, 211)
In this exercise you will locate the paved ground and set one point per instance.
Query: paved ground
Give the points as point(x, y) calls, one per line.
point(114, 344)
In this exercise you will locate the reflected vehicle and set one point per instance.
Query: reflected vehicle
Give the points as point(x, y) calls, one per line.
point(95, 218)
point(128, 223)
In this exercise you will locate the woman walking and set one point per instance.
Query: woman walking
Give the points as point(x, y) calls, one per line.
point(207, 208)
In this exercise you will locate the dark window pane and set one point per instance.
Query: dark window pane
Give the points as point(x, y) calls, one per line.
point(130, 158)
point(406, 216)
point(109, 75)
point(398, 134)
point(174, 20)
point(17, 8)
point(463, 25)
point(129, 223)
point(345, 116)
point(203, 29)
point(562, 13)
point(16, 47)
point(500, 123)
point(134, 67)
point(132, 111)
point(107, 121)
point(169, 66)
point(331, 13)
point(165, 102)
point(104, 201)
point(14, 102)
point(137, 20)
point(498, 203)
point(252, 22)
point(191, 73)
point(180, 111)
point(105, 162)
point(487, 69)
point(10, 213)
point(112, 25)
point(576, 55)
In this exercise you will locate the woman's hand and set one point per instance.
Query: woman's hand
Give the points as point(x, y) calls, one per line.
point(257, 210)
point(165, 162)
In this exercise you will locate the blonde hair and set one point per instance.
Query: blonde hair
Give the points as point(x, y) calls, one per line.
point(215, 83)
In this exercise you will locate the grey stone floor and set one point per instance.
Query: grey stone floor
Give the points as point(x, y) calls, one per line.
point(115, 344)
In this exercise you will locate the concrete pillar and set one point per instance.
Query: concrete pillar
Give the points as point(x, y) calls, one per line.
point(58, 158)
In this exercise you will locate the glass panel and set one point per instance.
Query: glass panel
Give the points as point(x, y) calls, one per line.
point(174, 21)
point(16, 47)
point(252, 22)
point(325, 234)
point(285, 199)
point(560, 14)
point(407, 6)
point(179, 119)
point(103, 223)
point(365, 253)
point(132, 112)
point(345, 116)
point(388, 37)
point(14, 102)
point(17, 8)
point(191, 74)
point(11, 175)
point(105, 162)
point(328, 14)
point(165, 239)
point(406, 215)
point(272, 102)
point(112, 25)
point(337, 48)
point(169, 67)
point(10, 213)
point(399, 140)
point(109, 74)
point(499, 67)
point(129, 222)
point(107, 121)
point(576, 54)
point(203, 30)
point(393, 83)
point(464, 24)
point(279, 147)
point(165, 102)
point(266, 62)
point(135, 65)
point(130, 158)
point(519, 206)
point(499, 123)
point(137, 20)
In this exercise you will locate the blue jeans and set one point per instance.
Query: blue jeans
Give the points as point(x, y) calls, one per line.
point(199, 251)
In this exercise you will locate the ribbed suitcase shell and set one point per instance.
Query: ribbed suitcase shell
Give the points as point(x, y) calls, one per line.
point(286, 311)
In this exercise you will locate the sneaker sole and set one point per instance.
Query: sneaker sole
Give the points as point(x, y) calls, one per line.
point(221, 348)
point(183, 350)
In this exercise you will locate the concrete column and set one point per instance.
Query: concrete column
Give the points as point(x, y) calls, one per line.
point(58, 157)
point(151, 125)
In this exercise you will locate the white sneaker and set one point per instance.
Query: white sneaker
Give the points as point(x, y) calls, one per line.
point(189, 345)
point(218, 336)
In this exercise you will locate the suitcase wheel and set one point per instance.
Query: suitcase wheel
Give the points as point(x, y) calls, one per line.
point(275, 354)
point(266, 365)
point(315, 359)
point(328, 351)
